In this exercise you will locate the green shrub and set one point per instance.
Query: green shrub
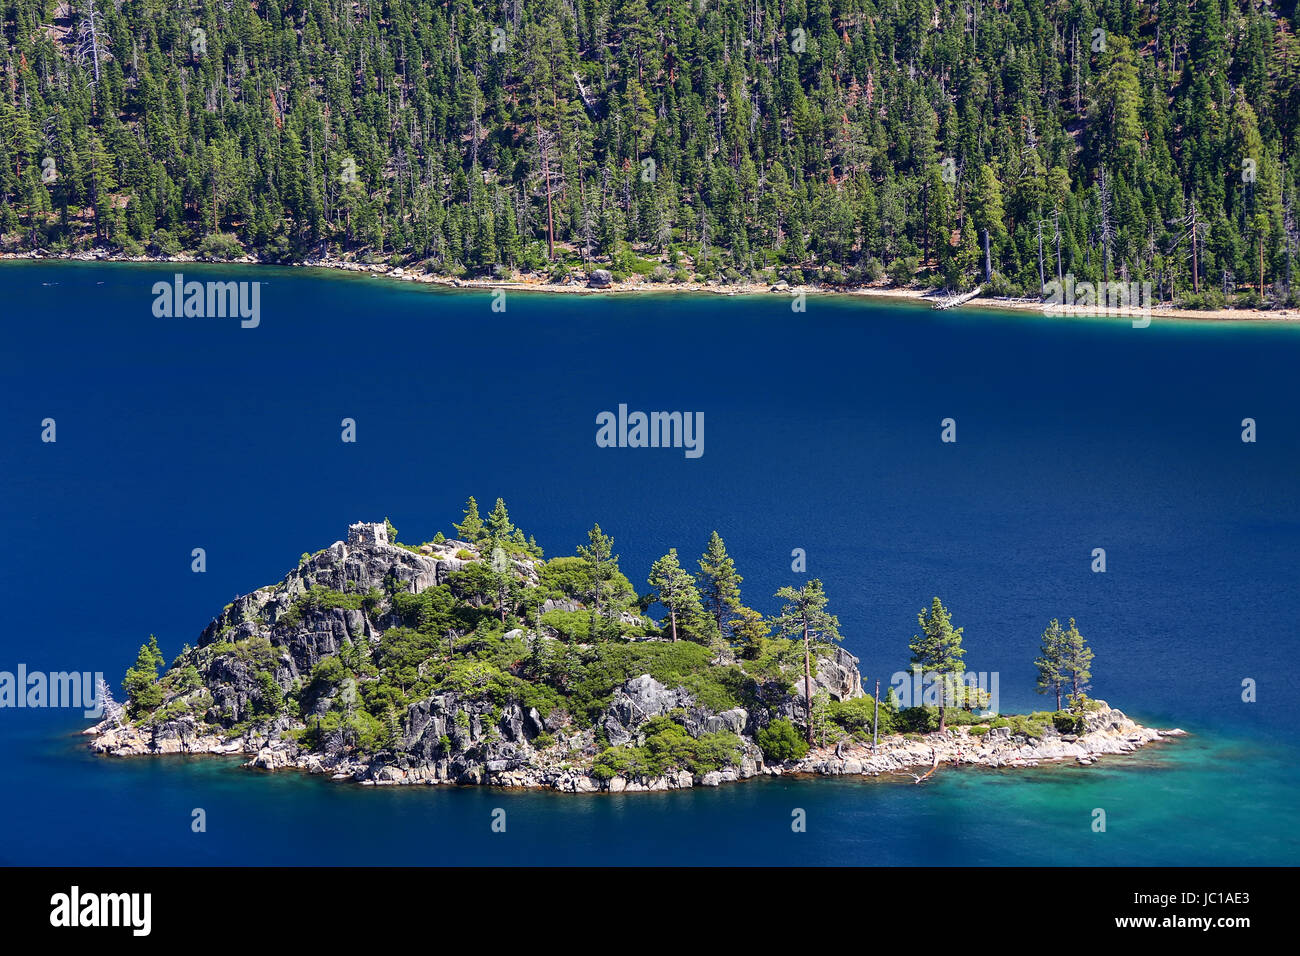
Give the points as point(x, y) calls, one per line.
point(184, 679)
point(638, 266)
point(1067, 723)
point(478, 679)
point(714, 751)
point(220, 245)
point(270, 700)
point(603, 667)
point(903, 269)
point(868, 270)
point(257, 652)
point(925, 720)
point(1034, 725)
point(918, 720)
point(669, 747)
point(617, 762)
point(359, 731)
point(165, 244)
point(781, 742)
point(771, 657)
point(856, 716)
point(1000, 285)
point(720, 688)
point(325, 676)
point(568, 625)
point(564, 576)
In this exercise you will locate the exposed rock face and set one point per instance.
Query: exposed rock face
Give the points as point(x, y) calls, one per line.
point(171, 737)
point(455, 741)
point(836, 674)
point(700, 721)
point(445, 726)
point(636, 702)
point(600, 279)
point(367, 562)
point(839, 675)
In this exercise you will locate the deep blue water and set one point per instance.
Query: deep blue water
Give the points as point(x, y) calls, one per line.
point(822, 433)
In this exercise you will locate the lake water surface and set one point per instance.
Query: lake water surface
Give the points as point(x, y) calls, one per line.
point(822, 433)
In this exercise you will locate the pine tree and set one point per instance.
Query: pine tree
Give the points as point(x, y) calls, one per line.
point(804, 616)
point(144, 694)
point(825, 165)
point(988, 214)
point(602, 566)
point(939, 652)
point(674, 589)
point(1077, 663)
point(471, 528)
point(719, 583)
point(821, 716)
point(1051, 665)
point(392, 729)
point(503, 579)
point(498, 522)
point(749, 628)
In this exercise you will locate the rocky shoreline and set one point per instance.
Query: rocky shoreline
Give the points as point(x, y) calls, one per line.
point(1108, 732)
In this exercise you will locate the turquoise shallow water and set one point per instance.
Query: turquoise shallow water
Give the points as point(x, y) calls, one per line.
point(1221, 794)
point(822, 433)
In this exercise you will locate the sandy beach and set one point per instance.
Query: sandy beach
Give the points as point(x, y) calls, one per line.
point(577, 284)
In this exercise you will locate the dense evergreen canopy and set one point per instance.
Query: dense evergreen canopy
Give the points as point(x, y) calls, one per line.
point(829, 140)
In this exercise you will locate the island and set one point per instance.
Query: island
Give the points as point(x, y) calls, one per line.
point(474, 660)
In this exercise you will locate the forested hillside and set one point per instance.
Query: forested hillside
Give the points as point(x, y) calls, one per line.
point(832, 141)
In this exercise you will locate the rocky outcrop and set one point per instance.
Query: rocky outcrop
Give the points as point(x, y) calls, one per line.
point(1110, 732)
point(835, 671)
point(245, 690)
point(636, 702)
point(838, 675)
point(699, 721)
point(169, 737)
point(360, 566)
